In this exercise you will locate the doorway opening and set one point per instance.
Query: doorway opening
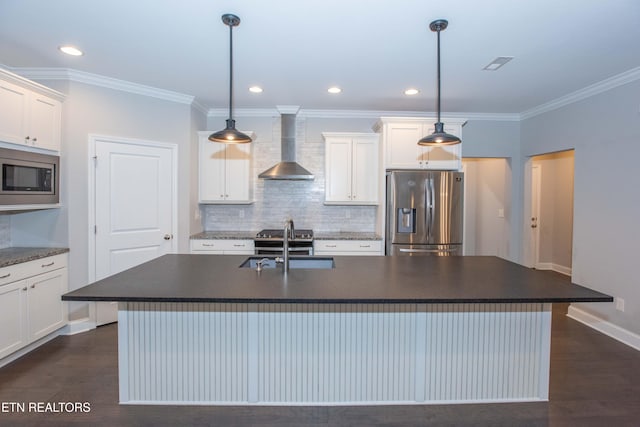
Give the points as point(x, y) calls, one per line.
point(487, 206)
point(549, 220)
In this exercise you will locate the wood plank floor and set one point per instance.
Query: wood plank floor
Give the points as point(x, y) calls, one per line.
point(595, 381)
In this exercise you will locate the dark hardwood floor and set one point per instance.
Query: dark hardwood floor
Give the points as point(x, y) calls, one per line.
point(595, 381)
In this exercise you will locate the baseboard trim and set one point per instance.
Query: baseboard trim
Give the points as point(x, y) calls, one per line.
point(554, 267)
point(78, 326)
point(28, 348)
point(614, 331)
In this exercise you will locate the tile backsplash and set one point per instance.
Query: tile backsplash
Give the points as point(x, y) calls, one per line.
point(275, 201)
point(5, 231)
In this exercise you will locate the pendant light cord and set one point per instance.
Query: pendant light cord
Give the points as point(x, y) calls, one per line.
point(438, 94)
point(231, 71)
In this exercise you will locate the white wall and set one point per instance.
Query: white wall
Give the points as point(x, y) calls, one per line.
point(501, 139)
point(604, 130)
point(486, 188)
point(96, 110)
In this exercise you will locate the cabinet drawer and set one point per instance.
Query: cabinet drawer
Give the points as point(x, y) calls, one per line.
point(221, 245)
point(31, 268)
point(348, 246)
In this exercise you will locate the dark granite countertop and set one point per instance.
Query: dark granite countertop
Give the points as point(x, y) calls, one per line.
point(355, 279)
point(18, 255)
point(346, 235)
point(225, 235)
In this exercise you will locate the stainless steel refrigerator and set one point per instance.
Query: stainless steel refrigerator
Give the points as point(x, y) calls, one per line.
point(424, 212)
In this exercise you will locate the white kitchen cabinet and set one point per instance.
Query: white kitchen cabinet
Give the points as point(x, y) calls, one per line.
point(347, 247)
point(27, 117)
point(13, 333)
point(400, 138)
point(224, 172)
point(30, 304)
point(351, 168)
point(222, 246)
point(46, 311)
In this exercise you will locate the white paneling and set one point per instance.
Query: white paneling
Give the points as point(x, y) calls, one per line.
point(333, 353)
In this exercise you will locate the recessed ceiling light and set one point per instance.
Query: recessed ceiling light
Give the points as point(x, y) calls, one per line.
point(71, 50)
point(255, 89)
point(497, 63)
point(334, 89)
point(411, 91)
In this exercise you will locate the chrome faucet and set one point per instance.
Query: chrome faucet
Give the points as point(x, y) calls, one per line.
point(289, 234)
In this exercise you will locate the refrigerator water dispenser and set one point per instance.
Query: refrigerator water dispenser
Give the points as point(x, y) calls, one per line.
point(406, 220)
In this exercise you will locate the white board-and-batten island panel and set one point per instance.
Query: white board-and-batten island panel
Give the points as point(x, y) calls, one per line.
point(332, 354)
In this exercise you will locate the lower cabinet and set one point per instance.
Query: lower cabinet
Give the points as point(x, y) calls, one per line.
point(222, 247)
point(347, 247)
point(30, 306)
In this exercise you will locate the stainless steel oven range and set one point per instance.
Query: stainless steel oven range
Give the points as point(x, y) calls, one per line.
point(271, 242)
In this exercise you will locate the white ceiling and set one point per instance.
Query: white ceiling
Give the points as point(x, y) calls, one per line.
point(374, 50)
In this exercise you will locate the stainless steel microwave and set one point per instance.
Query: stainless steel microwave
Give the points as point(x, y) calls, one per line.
point(29, 178)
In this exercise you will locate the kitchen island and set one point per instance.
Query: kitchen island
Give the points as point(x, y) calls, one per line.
point(197, 329)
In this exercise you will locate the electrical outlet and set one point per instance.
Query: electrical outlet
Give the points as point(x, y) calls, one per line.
point(348, 214)
point(500, 213)
point(619, 304)
point(241, 213)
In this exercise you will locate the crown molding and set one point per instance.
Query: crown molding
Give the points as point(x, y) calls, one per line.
point(198, 106)
point(243, 112)
point(22, 74)
point(102, 81)
point(360, 114)
point(12, 77)
point(584, 93)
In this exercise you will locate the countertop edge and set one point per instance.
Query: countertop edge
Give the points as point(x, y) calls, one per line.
point(341, 301)
point(19, 255)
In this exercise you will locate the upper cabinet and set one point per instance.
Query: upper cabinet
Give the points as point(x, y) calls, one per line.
point(27, 116)
point(400, 138)
point(351, 168)
point(224, 172)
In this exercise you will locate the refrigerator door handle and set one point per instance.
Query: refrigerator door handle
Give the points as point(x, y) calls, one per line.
point(432, 251)
point(428, 212)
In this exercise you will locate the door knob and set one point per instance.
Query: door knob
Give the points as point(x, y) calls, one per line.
point(168, 236)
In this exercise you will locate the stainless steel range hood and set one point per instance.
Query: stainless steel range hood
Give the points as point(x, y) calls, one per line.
point(288, 168)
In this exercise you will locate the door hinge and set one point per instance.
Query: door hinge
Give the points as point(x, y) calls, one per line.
point(95, 160)
point(95, 229)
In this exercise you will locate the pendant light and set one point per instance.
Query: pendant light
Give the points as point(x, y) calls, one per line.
point(439, 137)
point(230, 135)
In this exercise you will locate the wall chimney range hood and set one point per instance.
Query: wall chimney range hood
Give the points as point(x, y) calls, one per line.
point(288, 168)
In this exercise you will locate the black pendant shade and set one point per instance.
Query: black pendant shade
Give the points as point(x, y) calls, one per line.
point(230, 135)
point(439, 137)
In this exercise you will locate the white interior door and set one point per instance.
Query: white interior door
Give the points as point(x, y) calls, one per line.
point(134, 209)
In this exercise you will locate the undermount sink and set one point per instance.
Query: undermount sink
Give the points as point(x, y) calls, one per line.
point(294, 263)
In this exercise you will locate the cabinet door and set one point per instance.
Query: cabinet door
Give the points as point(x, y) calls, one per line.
point(13, 113)
point(13, 332)
point(238, 173)
point(402, 146)
point(44, 122)
point(365, 173)
point(211, 171)
point(46, 311)
point(338, 170)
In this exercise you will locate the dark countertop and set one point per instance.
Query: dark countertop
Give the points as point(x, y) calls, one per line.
point(224, 235)
point(18, 255)
point(355, 279)
point(346, 235)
